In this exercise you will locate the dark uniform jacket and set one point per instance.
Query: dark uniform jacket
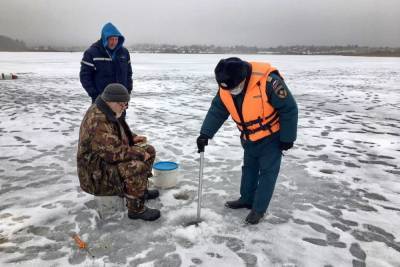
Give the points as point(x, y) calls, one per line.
point(101, 66)
point(286, 107)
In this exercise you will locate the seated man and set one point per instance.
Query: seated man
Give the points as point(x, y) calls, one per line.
point(112, 160)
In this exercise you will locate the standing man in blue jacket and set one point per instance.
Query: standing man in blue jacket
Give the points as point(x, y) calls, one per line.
point(106, 61)
point(258, 100)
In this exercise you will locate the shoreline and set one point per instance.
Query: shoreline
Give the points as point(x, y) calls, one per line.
point(227, 53)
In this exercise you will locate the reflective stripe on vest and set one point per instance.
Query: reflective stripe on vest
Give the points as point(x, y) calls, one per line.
point(260, 119)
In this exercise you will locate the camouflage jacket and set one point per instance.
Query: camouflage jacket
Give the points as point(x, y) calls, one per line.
point(104, 141)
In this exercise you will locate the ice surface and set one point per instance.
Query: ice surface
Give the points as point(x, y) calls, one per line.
point(336, 203)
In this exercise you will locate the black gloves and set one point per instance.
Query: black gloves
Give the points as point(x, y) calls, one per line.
point(285, 146)
point(202, 141)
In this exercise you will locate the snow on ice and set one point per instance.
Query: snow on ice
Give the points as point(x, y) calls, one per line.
point(336, 203)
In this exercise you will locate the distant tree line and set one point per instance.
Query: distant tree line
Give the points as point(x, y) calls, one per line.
point(8, 44)
point(349, 50)
point(193, 49)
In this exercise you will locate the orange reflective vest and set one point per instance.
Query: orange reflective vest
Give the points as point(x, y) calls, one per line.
point(258, 118)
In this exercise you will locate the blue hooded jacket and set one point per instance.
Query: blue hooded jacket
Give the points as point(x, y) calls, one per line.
point(110, 30)
point(101, 66)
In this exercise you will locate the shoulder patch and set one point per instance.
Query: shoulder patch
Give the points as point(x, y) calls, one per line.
point(279, 89)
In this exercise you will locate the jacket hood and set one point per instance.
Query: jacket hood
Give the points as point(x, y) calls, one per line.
point(110, 30)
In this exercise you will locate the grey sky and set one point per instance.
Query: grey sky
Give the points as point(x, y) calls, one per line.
point(221, 22)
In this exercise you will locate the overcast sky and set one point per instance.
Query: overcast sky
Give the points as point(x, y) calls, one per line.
point(222, 22)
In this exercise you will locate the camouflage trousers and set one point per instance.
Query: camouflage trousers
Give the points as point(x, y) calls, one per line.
point(130, 180)
point(134, 174)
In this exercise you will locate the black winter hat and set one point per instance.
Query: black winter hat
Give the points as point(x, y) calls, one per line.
point(230, 72)
point(115, 92)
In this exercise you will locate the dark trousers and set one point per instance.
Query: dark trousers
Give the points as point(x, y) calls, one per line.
point(260, 170)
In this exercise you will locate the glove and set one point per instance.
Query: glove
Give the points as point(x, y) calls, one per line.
point(285, 146)
point(202, 141)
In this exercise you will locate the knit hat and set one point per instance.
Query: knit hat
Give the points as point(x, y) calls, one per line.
point(115, 92)
point(230, 72)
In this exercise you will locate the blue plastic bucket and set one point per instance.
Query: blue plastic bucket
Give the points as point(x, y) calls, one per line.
point(165, 174)
point(165, 166)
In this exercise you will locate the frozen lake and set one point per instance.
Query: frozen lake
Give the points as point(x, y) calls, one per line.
point(336, 203)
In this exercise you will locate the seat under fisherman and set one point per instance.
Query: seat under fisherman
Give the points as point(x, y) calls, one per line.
point(258, 100)
point(111, 160)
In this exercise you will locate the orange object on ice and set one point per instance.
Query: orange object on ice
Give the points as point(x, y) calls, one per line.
point(79, 241)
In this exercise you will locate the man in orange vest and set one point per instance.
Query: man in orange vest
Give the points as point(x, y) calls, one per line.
point(258, 100)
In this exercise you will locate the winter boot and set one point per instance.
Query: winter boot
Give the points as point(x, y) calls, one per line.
point(254, 217)
point(151, 194)
point(137, 210)
point(146, 215)
point(237, 204)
